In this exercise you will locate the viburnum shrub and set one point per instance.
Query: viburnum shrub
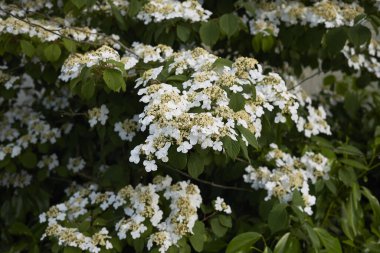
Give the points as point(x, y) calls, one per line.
point(184, 126)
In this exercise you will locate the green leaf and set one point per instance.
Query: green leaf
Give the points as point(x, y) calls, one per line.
point(28, 160)
point(352, 103)
point(313, 236)
point(79, 3)
point(256, 42)
point(197, 239)
point(281, 245)
point(229, 24)
point(88, 88)
point(249, 136)
point(27, 48)
point(134, 7)
point(177, 159)
point(335, 40)
point(330, 243)
point(347, 176)
point(183, 32)
point(19, 228)
point(195, 165)
point(70, 45)
point(114, 79)
point(68, 249)
point(354, 164)
point(236, 101)
point(374, 203)
point(278, 218)
point(209, 33)
point(225, 220)
point(52, 52)
point(329, 80)
point(218, 229)
point(242, 241)
point(267, 43)
point(232, 147)
point(349, 150)
point(359, 35)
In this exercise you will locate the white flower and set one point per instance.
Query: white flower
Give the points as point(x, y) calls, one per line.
point(98, 115)
point(150, 165)
point(221, 206)
point(76, 164)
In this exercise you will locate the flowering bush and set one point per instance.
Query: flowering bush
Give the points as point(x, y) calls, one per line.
point(184, 126)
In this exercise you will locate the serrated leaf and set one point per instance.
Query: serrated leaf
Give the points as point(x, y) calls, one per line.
point(197, 239)
point(177, 159)
point(354, 164)
point(267, 43)
point(229, 24)
point(231, 147)
point(225, 220)
point(27, 48)
point(330, 243)
point(218, 229)
point(237, 102)
point(70, 45)
point(195, 165)
point(278, 218)
point(359, 35)
point(28, 160)
point(335, 40)
point(52, 52)
point(249, 136)
point(79, 3)
point(242, 241)
point(183, 32)
point(209, 33)
point(114, 80)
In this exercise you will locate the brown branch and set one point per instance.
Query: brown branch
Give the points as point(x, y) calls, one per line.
point(226, 187)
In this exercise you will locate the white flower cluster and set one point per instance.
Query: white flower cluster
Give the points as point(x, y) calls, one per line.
point(56, 100)
point(48, 30)
point(7, 80)
point(21, 126)
point(269, 15)
point(105, 6)
point(364, 58)
point(14, 179)
point(127, 129)
point(74, 64)
point(76, 164)
point(290, 174)
point(159, 10)
point(50, 162)
point(27, 6)
point(140, 205)
point(169, 114)
point(73, 238)
point(152, 53)
point(98, 115)
point(221, 206)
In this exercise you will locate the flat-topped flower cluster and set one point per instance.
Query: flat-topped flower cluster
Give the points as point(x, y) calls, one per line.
point(366, 57)
point(140, 205)
point(197, 110)
point(159, 10)
point(289, 174)
point(267, 16)
point(52, 30)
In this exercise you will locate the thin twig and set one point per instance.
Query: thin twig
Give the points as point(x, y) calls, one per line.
point(304, 80)
point(67, 37)
point(227, 187)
